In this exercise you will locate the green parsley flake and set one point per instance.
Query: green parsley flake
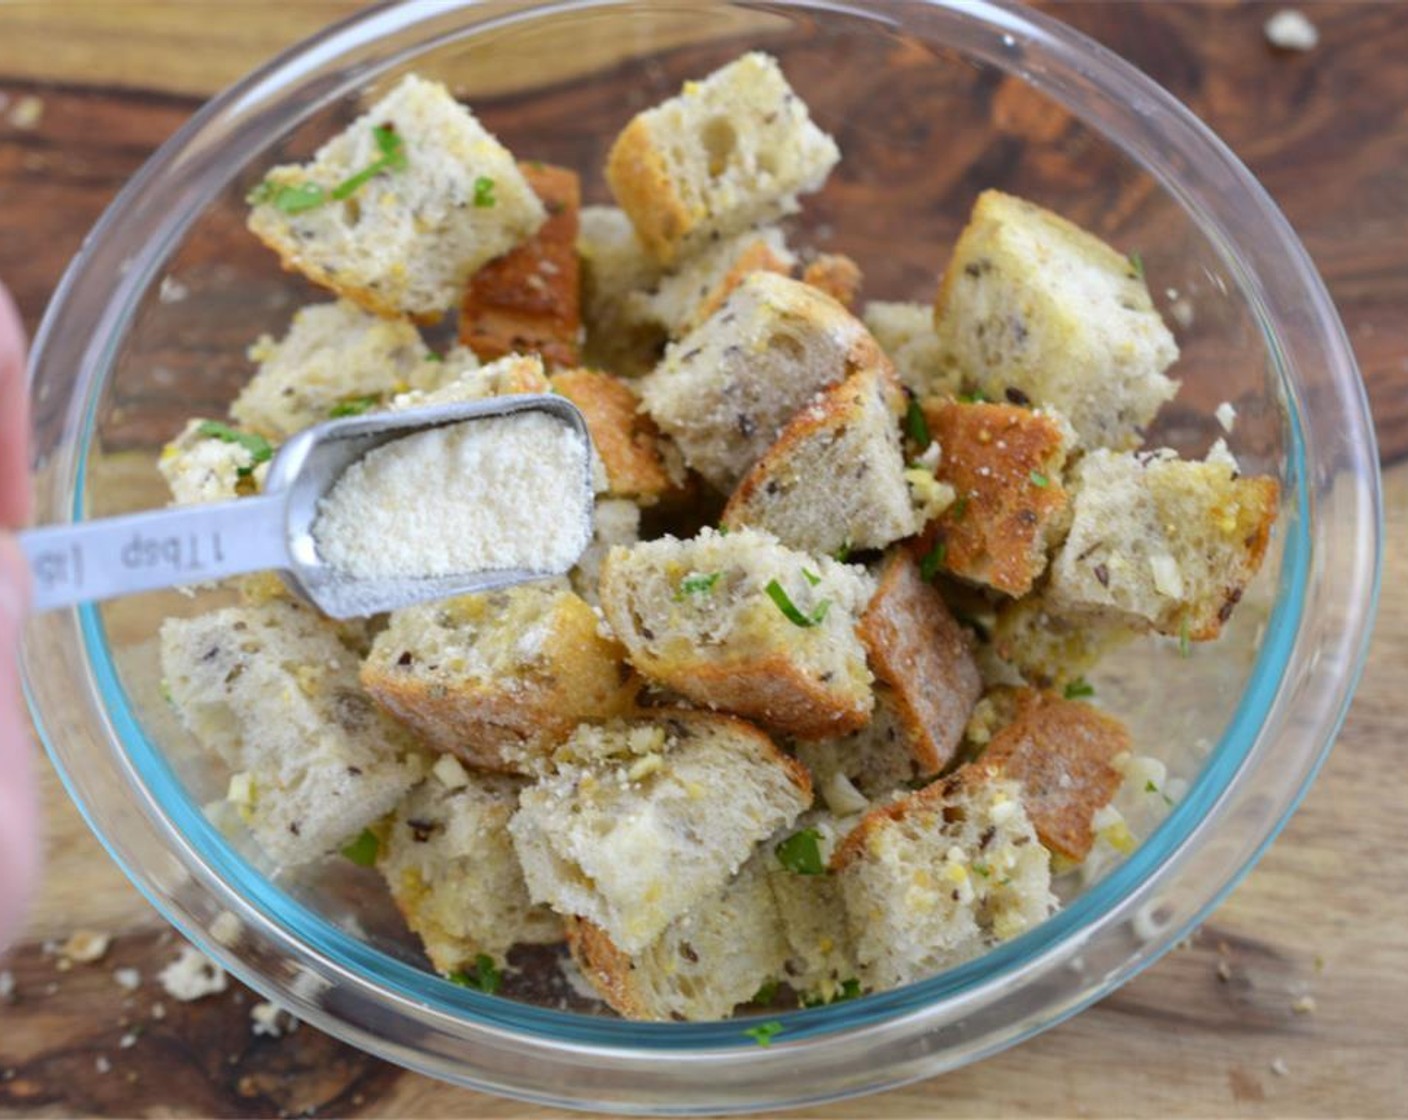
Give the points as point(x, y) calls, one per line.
point(289, 198)
point(697, 585)
point(766, 994)
point(1039, 479)
point(434, 357)
point(801, 852)
point(1185, 645)
point(915, 424)
point(363, 850)
point(930, 566)
point(260, 449)
point(484, 192)
point(778, 594)
point(1079, 688)
point(1136, 262)
point(983, 869)
point(354, 406)
point(977, 396)
point(764, 1033)
point(959, 508)
point(483, 977)
point(850, 989)
point(297, 198)
point(810, 576)
point(842, 554)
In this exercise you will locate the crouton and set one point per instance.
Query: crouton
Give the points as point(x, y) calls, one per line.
point(905, 331)
point(617, 275)
point(529, 300)
point(640, 463)
point(706, 962)
point(867, 765)
point(836, 275)
point(921, 656)
point(732, 151)
point(727, 389)
point(452, 871)
point(211, 462)
point(1160, 542)
point(443, 199)
point(615, 522)
point(1004, 464)
point(835, 478)
point(466, 380)
point(1049, 649)
point(820, 964)
point(739, 622)
point(1062, 754)
point(274, 693)
point(498, 678)
point(644, 820)
point(334, 358)
point(939, 876)
point(1035, 306)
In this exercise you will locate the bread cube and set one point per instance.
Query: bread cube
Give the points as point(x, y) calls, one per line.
point(529, 299)
point(452, 871)
point(644, 820)
point(867, 765)
point(210, 462)
point(444, 199)
point(499, 678)
point(615, 522)
point(333, 358)
point(1049, 649)
point(617, 276)
point(835, 274)
point(1036, 308)
point(835, 478)
point(905, 331)
point(1004, 464)
point(940, 876)
point(1162, 543)
point(1062, 753)
point(732, 151)
point(727, 389)
point(466, 380)
point(706, 962)
point(740, 623)
point(274, 693)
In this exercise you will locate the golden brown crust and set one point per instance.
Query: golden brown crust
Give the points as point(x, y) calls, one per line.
point(835, 274)
point(931, 797)
point(528, 300)
point(1004, 464)
point(640, 180)
point(757, 257)
point(921, 653)
point(607, 968)
point(1256, 500)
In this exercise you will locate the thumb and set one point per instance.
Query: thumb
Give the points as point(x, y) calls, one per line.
point(19, 822)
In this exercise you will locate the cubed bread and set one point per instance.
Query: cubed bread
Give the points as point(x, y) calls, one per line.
point(334, 357)
point(617, 275)
point(443, 199)
point(732, 151)
point(640, 463)
point(211, 462)
point(835, 478)
point(738, 622)
point(1049, 649)
point(905, 331)
point(452, 871)
point(706, 962)
point(615, 523)
point(1161, 542)
point(274, 693)
point(835, 274)
point(939, 876)
point(1004, 464)
point(644, 820)
point(820, 959)
point(920, 655)
point(499, 678)
point(466, 380)
point(727, 389)
point(529, 299)
point(1062, 754)
point(866, 765)
point(1034, 307)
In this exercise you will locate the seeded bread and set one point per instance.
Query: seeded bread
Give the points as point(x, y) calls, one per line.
point(835, 274)
point(1033, 304)
point(617, 275)
point(646, 819)
point(820, 955)
point(732, 151)
point(529, 299)
point(939, 876)
point(615, 522)
point(867, 765)
point(274, 693)
point(501, 677)
point(404, 241)
point(696, 617)
point(835, 478)
point(203, 468)
point(1160, 542)
point(333, 354)
point(467, 380)
point(1049, 649)
point(1005, 465)
point(727, 389)
point(452, 871)
point(905, 331)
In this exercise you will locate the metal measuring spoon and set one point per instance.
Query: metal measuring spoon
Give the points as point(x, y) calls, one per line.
point(93, 560)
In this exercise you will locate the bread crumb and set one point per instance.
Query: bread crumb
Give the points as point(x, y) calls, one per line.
point(128, 979)
point(226, 928)
point(101, 1064)
point(1290, 30)
point(192, 976)
point(86, 946)
point(27, 113)
point(7, 985)
point(1304, 1006)
point(172, 290)
point(1279, 1067)
point(158, 1011)
point(127, 1041)
point(1224, 971)
point(1226, 416)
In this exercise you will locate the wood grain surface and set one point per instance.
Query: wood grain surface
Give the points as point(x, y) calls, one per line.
point(1291, 1001)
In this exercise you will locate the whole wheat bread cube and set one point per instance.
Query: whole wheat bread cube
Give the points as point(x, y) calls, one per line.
point(835, 274)
point(706, 962)
point(835, 478)
point(1161, 542)
point(615, 522)
point(732, 151)
point(939, 876)
point(529, 299)
point(274, 693)
point(867, 765)
point(617, 276)
point(209, 462)
point(645, 819)
point(1035, 306)
point(499, 678)
point(1062, 754)
point(740, 623)
point(449, 863)
point(905, 331)
point(727, 389)
point(1005, 466)
point(444, 198)
point(467, 380)
point(333, 357)
point(1050, 649)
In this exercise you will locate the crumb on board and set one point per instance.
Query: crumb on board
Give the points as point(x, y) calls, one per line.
point(128, 979)
point(101, 1064)
point(192, 976)
point(27, 113)
point(86, 946)
point(1305, 1005)
point(158, 1011)
point(1224, 971)
point(1290, 30)
point(7, 985)
point(1279, 1067)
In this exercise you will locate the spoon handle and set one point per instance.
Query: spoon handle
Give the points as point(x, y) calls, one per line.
point(91, 560)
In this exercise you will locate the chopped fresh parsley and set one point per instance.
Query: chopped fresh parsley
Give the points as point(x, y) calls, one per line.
point(959, 507)
point(766, 994)
point(810, 576)
point(362, 851)
point(1185, 645)
point(850, 989)
point(1150, 787)
point(977, 396)
point(842, 554)
point(260, 449)
point(931, 564)
point(1039, 479)
point(288, 198)
point(778, 594)
point(801, 852)
point(983, 869)
point(354, 406)
point(484, 192)
point(296, 198)
point(483, 977)
point(764, 1033)
point(697, 585)
point(915, 425)
point(1078, 688)
point(1136, 262)
point(432, 356)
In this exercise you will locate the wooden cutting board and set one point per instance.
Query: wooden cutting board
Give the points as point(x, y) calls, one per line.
point(1291, 1000)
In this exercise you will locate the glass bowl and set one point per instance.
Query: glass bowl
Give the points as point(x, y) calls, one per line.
point(931, 102)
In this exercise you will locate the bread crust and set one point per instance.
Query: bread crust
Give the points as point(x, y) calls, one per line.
point(641, 181)
point(837, 275)
point(607, 968)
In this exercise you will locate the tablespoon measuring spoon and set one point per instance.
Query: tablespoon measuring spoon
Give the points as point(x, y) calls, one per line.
point(93, 560)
